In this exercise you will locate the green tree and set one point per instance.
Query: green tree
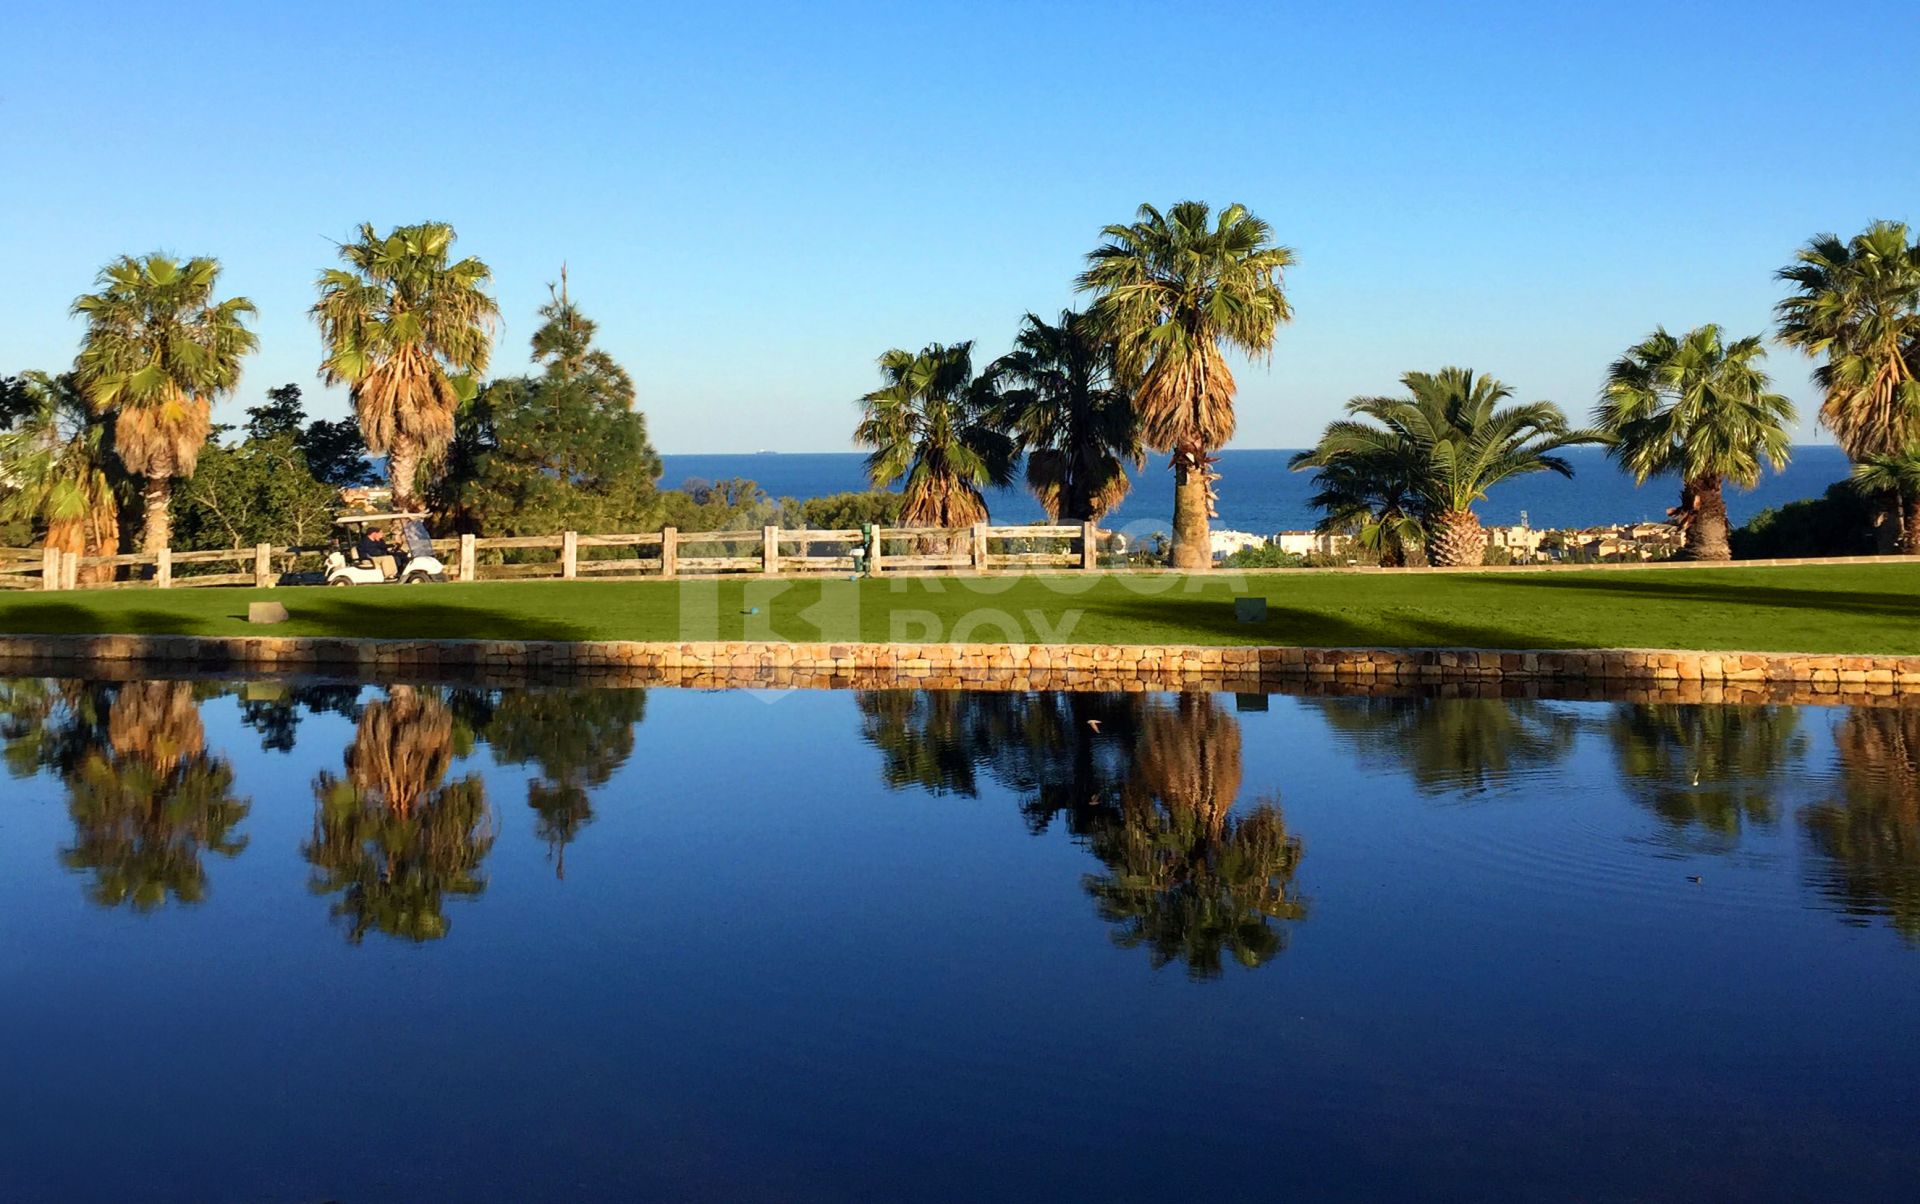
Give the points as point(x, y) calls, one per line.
point(260, 491)
point(408, 331)
point(562, 451)
point(57, 460)
point(158, 350)
point(933, 425)
point(282, 413)
point(1702, 409)
point(1837, 523)
point(335, 453)
point(842, 511)
point(1455, 441)
point(1062, 403)
point(1173, 291)
point(1856, 308)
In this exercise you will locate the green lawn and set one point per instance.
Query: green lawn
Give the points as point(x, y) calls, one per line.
point(1863, 609)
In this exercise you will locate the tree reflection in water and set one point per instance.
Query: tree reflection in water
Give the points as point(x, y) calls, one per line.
point(1709, 770)
point(575, 738)
point(1148, 784)
point(146, 799)
point(392, 837)
point(1869, 838)
point(1472, 744)
point(1186, 879)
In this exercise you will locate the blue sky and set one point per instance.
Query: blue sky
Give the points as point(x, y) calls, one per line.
point(756, 200)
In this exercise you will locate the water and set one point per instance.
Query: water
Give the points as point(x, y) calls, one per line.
point(295, 942)
point(1258, 493)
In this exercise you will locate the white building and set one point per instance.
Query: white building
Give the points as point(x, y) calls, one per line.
point(1310, 543)
point(1226, 543)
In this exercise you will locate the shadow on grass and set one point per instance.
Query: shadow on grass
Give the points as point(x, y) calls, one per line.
point(1212, 621)
point(70, 618)
point(320, 614)
point(1859, 602)
point(331, 614)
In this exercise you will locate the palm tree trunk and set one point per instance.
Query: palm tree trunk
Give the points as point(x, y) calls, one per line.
point(1458, 541)
point(403, 471)
point(1191, 547)
point(1706, 530)
point(158, 497)
point(1910, 537)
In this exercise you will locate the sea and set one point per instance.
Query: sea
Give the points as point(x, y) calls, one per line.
point(1258, 494)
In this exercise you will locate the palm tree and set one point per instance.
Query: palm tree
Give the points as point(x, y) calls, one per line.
point(158, 350)
point(1172, 291)
point(1456, 443)
point(1896, 473)
point(1702, 409)
point(933, 424)
point(1857, 308)
point(408, 332)
point(1375, 496)
point(57, 463)
point(1060, 399)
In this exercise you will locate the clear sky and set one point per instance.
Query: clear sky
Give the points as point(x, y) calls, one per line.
point(756, 200)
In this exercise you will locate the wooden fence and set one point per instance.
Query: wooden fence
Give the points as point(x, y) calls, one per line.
point(572, 556)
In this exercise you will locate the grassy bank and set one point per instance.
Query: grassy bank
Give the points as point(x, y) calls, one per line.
point(1863, 609)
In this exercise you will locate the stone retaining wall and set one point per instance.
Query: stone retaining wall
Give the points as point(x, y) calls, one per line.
point(1685, 676)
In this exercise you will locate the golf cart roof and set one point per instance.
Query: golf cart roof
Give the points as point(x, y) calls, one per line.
point(354, 520)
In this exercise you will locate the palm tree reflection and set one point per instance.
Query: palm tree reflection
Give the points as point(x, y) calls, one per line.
point(393, 838)
point(1710, 770)
point(1869, 838)
point(1469, 744)
point(1186, 879)
point(1148, 784)
point(147, 800)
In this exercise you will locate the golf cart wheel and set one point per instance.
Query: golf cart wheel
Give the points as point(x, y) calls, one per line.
point(339, 581)
point(415, 579)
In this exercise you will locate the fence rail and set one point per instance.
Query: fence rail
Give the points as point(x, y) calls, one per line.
point(571, 555)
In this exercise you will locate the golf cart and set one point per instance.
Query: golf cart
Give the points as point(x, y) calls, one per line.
point(378, 549)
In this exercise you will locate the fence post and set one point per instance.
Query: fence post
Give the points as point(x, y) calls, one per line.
point(669, 551)
point(466, 557)
point(979, 553)
point(50, 568)
point(70, 570)
point(1089, 546)
point(873, 553)
point(163, 569)
point(770, 550)
point(262, 565)
point(569, 555)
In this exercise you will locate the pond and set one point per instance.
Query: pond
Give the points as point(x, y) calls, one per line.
point(307, 940)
